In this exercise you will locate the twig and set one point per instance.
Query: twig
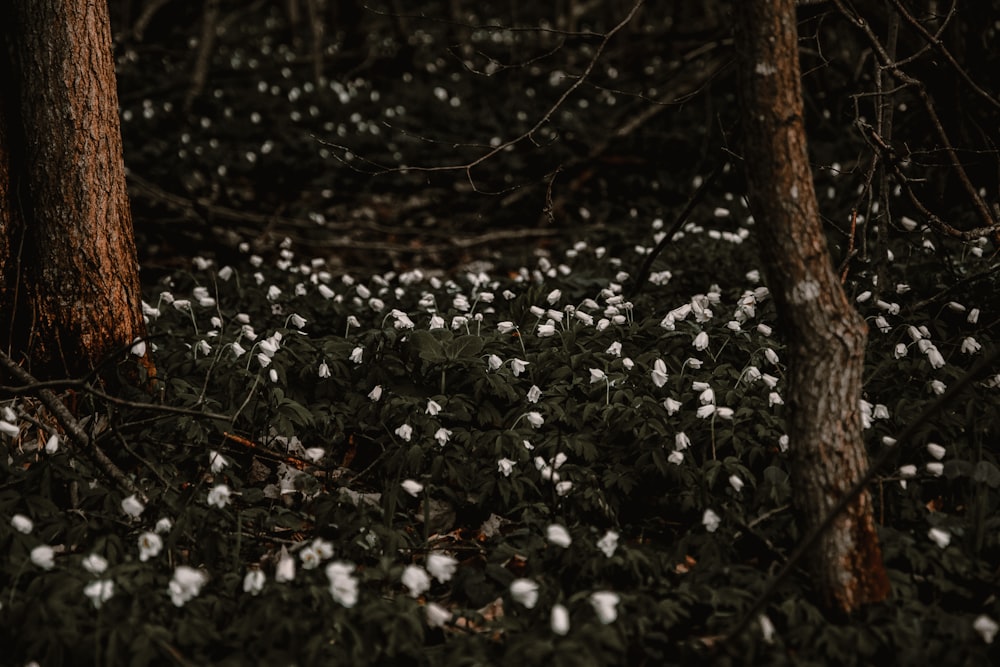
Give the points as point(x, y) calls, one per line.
point(850, 247)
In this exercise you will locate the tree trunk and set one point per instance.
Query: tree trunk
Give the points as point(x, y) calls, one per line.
point(826, 337)
point(69, 278)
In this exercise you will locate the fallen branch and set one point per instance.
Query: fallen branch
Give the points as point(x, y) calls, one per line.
point(73, 427)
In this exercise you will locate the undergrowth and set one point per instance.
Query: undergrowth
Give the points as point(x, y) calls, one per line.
point(522, 468)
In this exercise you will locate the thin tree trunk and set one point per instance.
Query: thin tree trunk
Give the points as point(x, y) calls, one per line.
point(69, 278)
point(826, 337)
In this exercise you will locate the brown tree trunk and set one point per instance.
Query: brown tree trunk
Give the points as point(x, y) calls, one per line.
point(69, 278)
point(826, 337)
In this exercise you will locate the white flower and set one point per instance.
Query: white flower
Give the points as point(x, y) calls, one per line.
point(405, 432)
point(938, 387)
point(764, 330)
point(437, 322)
point(506, 327)
point(517, 366)
point(545, 330)
point(313, 454)
point(559, 620)
point(524, 591)
point(94, 563)
point(773, 399)
point(615, 350)
point(766, 628)
point(970, 345)
point(310, 558)
point(433, 407)
point(681, 441)
point(163, 525)
point(22, 524)
point(934, 357)
point(554, 296)
point(605, 604)
point(900, 351)
point(710, 520)
point(908, 470)
point(940, 537)
point(441, 566)
point(700, 341)
point(935, 468)
point(132, 506)
point(771, 356)
point(150, 545)
point(505, 466)
point(436, 614)
point(558, 535)
point(52, 444)
point(185, 584)
point(609, 543)
point(986, 627)
point(676, 457)
point(494, 362)
point(671, 405)
point(99, 591)
point(343, 585)
point(563, 487)
point(401, 320)
point(973, 317)
point(736, 483)
point(935, 450)
point(707, 396)
point(442, 436)
point(219, 496)
point(357, 354)
point(253, 582)
point(412, 487)
point(659, 373)
point(416, 580)
point(285, 570)
point(534, 394)
point(273, 374)
point(535, 419)
point(597, 375)
point(376, 393)
point(324, 370)
point(216, 461)
point(705, 411)
point(43, 556)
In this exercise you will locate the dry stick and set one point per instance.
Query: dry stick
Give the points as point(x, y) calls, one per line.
point(850, 247)
point(695, 199)
point(940, 31)
point(935, 41)
point(206, 46)
point(885, 107)
point(889, 63)
point(148, 12)
point(940, 225)
point(73, 428)
point(809, 541)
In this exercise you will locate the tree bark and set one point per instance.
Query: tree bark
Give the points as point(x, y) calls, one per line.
point(69, 278)
point(826, 337)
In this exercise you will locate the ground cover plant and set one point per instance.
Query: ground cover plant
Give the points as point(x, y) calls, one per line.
point(477, 469)
point(379, 434)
